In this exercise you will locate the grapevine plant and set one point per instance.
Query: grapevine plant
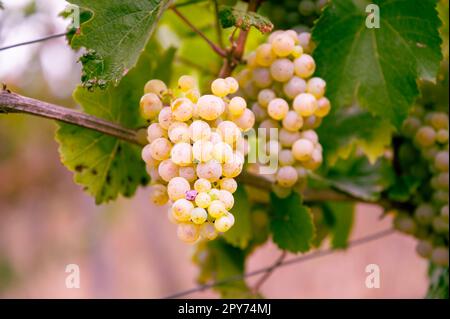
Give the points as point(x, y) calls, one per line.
point(263, 120)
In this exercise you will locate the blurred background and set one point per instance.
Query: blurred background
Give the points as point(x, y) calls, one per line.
point(128, 249)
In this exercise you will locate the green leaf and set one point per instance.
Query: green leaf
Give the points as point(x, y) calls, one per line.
point(292, 225)
point(221, 262)
point(240, 234)
point(234, 17)
point(114, 37)
point(438, 288)
point(377, 66)
point(346, 129)
point(359, 178)
point(260, 226)
point(105, 165)
point(342, 216)
point(403, 188)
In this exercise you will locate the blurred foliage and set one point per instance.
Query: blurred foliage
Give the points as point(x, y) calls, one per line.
point(439, 283)
point(224, 264)
point(7, 274)
point(242, 232)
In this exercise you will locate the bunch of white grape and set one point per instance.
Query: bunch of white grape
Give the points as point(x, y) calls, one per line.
point(427, 133)
point(278, 79)
point(195, 151)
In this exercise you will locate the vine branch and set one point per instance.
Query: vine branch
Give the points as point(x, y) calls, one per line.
point(236, 53)
point(15, 103)
point(269, 272)
point(213, 46)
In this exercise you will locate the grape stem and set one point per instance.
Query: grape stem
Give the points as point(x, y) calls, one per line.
point(221, 52)
point(15, 103)
point(236, 53)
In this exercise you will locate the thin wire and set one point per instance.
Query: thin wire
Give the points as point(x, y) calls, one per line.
point(57, 35)
point(300, 259)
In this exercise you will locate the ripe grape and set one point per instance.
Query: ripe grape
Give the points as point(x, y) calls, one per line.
point(181, 209)
point(182, 109)
point(199, 215)
point(223, 223)
point(219, 87)
point(210, 107)
point(292, 121)
point(189, 233)
point(178, 132)
point(208, 231)
point(150, 106)
point(216, 209)
point(305, 104)
point(282, 70)
point(226, 198)
point(160, 149)
point(265, 96)
point(155, 131)
point(302, 149)
point(294, 87)
point(237, 106)
point(425, 136)
point(177, 188)
point(265, 55)
point(168, 170)
point(155, 86)
point(181, 154)
point(304, 66)
point(228, 184)
point(193, 150)
point(287, 176)
point(158, 194)
point(186, 83)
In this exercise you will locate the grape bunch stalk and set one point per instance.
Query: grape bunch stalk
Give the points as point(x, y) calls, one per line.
point(278, 80)
point(195, 151)
point(425, 154)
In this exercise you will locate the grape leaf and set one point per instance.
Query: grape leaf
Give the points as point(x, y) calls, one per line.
point(347, 128)
point(377, 66)
point(359, 177)
point(234, 17)
point(240, 234)
point(260, 226)
point(105, 165)
point(223, 263)
point(403, 188)
point(114, 37)
point(292, 225)
point(341, 216)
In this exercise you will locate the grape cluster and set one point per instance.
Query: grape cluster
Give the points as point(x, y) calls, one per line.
point(195, 151)
point(278, 80)
point(426, 151)
point(289, 13)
